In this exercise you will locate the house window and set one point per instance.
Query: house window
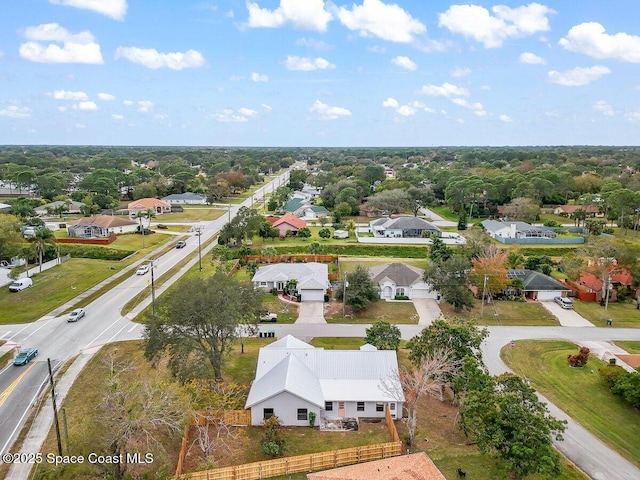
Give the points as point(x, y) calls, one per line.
point(267, 413)
point(360, 407)
point(379, 407)
point(263, 284)
point(400, 291)
point(302, 414)
point(328, 406)
point(392, 406)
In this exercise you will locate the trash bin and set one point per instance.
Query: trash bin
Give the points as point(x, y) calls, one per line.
point(260, 334)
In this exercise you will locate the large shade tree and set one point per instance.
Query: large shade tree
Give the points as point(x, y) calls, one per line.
point(196, 325)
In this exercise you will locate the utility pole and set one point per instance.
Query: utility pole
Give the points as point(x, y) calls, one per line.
point(484, 288)
point(55, 408)
point(153, 291)
point(344, 294)
point(199, 248)
point(606, 296)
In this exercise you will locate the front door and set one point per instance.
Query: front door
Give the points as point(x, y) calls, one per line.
point(340, 409)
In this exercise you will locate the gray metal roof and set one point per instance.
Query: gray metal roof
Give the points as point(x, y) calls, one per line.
point(287, 271)
point(349, 375)
point(184, 196)
point(537, 281)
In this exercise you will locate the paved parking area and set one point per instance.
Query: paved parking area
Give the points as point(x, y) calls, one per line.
point(428, 310)
point(311, 312)
point(567, 318)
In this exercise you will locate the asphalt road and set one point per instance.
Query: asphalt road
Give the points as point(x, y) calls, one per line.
point(59, 340)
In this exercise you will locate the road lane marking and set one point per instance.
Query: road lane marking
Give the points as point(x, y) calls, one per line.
point(7, 391)
point(132, 328)
point(102, 332)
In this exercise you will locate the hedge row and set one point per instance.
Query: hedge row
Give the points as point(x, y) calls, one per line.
point(93, 251)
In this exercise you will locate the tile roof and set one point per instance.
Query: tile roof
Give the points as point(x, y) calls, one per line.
point(290, 219)
point(574, 208)
point(144, 203)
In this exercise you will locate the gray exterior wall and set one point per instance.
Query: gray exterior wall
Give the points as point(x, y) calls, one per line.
point(351, 410)
point(540, 240)
point(285, 406)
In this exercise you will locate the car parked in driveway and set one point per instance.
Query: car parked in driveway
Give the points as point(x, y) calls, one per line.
point(20, 284)
point(25, 356)
point(564, 302)
point(181, 244)
point(143, 269)
point(267, 316)
point(76, 315)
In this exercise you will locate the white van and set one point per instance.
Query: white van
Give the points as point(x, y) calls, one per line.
point(564, 302)
point(20, 284)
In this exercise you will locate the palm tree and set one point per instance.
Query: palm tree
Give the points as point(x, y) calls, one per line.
point(315, 248)
point(148, 213)
point(268, 252)
point(350, 226)
point(43, 236)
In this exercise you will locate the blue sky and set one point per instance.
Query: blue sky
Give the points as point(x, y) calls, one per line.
point(318, 73)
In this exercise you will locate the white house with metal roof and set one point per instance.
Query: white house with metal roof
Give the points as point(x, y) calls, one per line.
point(294, 379)
point(312, 277)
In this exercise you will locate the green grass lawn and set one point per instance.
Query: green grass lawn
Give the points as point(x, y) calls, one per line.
point(287, 313)
point(259, 243)
point(445, 212)
point(54, 287)
point(630, 346)
point(578, 391)
point(392, 312)
point(504, 313)
point(622, 314)
point(194, 214)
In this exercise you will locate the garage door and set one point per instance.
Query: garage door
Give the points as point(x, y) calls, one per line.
point(422, 293)
point(312, 296)
point(548, 295)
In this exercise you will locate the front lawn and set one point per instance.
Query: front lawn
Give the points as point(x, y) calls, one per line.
point(54, 287)
point(191, 214)
point(392, 312)
point(630, 346)
point(504, 313)
point(622, 314)
point(578, 391)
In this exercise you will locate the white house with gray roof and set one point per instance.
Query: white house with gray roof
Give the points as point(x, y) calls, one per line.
point(399, 279)
point(186, 198)
point(499, 230)
point(403, 227)
point(312, 278)
point(294, 379)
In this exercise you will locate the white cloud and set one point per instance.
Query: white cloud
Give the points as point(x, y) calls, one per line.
point(145, 106)
point(117, 116)
point(161, 116)
point(478, 23)
point(228, 116)
point(313, 43)
point(81, 125)
point(266, 107)
point(106, 97)
point(590, 39)
point(14, 111)
point(386, 21)
point(75, 48)
point(115, 9)
point(406, 110)
point(604, 108)
point(62, 109)
point(444, 90)
point(307, 64)
point(301, 15)
point(247, 112)
point(67, 95)
point(390, 102)
point(460, 72)
point(88, 105)
point(633, 116)
point(405, 62)
point(257, 77)
point(128, 102)
point(505, 118)
point(326, 112)
point(531, 59)
point(579, 76)
point(151, 58)
point(477, 108)
point(376, 49)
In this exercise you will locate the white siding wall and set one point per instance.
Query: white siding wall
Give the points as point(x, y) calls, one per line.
point(285, 406)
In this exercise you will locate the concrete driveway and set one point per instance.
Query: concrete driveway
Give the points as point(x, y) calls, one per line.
point(428, 310)
point(311, 312)
point(567, 318)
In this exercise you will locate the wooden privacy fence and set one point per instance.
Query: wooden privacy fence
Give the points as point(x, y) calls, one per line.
point(300, 463)
point(293, 258)
point(390, 425)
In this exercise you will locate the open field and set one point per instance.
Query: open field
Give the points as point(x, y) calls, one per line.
point(578, 391)
point(623, 314)
point(191, 214)
point(53, 288)
point(504, 313)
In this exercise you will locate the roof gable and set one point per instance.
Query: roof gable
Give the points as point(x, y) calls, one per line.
point(537, 281)
point(103, 221)
point(399, 273)
point(290, 219)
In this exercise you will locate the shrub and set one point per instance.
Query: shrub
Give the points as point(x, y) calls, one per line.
point(312, 419)
point(273, 444)
point(93, 251)
point(401, 297)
